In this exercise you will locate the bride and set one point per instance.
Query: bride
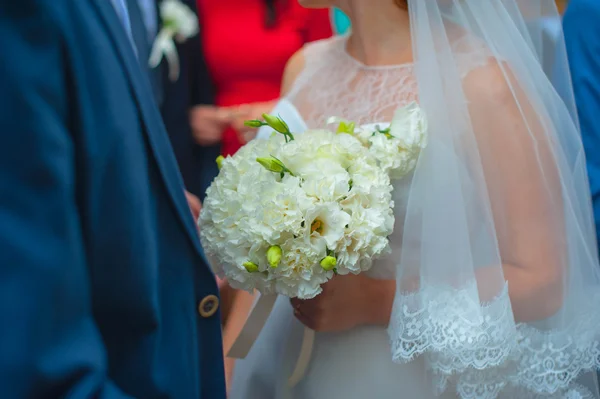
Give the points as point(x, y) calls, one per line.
point(492, 286)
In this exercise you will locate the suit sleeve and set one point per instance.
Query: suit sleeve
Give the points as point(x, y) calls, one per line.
point(202, 90)
point(582, 34)
point(49, 343)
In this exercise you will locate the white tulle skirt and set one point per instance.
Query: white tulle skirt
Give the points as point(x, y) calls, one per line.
point(352, 365)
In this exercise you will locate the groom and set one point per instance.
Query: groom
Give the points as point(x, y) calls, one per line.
point(102, 292)
point(582, 35)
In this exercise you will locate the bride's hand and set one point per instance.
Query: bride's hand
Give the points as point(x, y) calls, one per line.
point(347, 302)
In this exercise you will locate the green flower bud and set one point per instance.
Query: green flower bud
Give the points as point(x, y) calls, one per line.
point(276, 123)
point(254, 123)
point(272, 164)
point(251, 267)
point(347, 128)
point(329, 263)
point(220, 160)
point(386, 132)
point(274, 256)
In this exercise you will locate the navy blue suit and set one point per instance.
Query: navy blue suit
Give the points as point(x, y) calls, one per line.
point(100, 267)
point(582, 35)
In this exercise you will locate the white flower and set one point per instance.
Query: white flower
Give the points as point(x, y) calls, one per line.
point(393, 158)
point(179, 18)
point(369, 226)
point(327, 221)
point(397, 148)
point(409, 127)
point(326, 187)
point(180, 23)
point(299, 274)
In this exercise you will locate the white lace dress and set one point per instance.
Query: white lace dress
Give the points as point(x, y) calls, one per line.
point(355, 364)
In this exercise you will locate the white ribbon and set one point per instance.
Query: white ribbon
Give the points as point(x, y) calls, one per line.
point(252, 328)
point(164, 46)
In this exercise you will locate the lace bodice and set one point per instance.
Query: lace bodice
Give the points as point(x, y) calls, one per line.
point(335, 84)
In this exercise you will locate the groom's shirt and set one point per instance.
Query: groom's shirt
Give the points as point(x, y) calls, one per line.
point(148, 9)
point(123, 13)
point(582, 34)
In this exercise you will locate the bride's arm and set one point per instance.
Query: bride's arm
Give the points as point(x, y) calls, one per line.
point(524, 189)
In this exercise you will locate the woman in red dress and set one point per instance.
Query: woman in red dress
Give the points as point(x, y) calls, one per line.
point(247, 44)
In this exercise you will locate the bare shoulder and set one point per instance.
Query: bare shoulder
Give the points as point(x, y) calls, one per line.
point(294, 66)
point(491, 84)
point(314, 53)
point(499, 103)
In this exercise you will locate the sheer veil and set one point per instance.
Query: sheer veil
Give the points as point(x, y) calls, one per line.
point(498, 276)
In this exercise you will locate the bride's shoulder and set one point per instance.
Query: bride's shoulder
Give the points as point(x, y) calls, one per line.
point(298, 62)
point(492, 83)
point(485, 75)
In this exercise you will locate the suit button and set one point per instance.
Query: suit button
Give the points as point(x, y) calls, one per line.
point(208, 306)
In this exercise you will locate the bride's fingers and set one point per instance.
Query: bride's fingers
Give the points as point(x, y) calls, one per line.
point(296, 303)
point(308, 306)
point(302, 318)
point(300, 312)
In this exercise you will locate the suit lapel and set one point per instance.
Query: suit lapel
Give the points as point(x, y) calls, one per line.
point(158, 73)
point(152, 123)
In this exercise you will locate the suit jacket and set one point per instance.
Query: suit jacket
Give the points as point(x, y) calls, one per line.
point(582, 35)
point(194, 87)
point(101, 276)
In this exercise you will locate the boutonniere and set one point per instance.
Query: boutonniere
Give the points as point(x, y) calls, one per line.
point(179, 23)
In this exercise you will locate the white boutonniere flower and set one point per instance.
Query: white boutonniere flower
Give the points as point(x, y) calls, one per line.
point(178, 23)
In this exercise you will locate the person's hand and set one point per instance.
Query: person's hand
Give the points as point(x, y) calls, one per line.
point(195, 205)
point(347, 302)
point(209, 122)
point(246, 112)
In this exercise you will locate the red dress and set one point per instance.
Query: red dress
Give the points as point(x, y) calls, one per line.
point(245, 57)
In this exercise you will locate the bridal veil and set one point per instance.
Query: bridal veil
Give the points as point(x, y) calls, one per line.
point(498, 277)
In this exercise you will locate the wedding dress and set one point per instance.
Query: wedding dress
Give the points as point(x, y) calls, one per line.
point(457, 334)
point(357, 363)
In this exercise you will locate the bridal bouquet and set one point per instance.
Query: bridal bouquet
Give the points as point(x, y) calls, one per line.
point(286, 214)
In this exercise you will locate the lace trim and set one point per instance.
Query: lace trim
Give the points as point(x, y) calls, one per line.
point(484, 354)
